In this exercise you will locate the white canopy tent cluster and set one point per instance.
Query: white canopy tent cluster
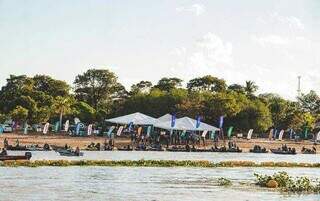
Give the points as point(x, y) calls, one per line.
point(164, 122)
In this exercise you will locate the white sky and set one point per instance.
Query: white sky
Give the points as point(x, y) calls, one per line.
point(270, 42)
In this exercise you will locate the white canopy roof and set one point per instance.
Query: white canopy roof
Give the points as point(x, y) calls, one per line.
point(185, 123)
point(164, 118)
point(137, 119)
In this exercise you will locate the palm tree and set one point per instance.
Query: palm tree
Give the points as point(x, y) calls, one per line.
point(61, 106)
point(250, 87)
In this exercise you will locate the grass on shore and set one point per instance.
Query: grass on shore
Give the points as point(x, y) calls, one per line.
point(153, 163)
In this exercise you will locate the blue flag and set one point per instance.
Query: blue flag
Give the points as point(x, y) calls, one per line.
point(130, 126)
point(198, 122)
point(221, 122)
point(173, 120)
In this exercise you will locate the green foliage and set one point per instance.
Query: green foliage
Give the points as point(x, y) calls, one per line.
point(287, 183)
point(165, 163)
point(207, 83)
point(84, 112)
point(255, 115)
point(310, 102)
point(50, 86)
point(141, 87)
point(97, 87)
point(250, 88)
point(99, 95)
point(19, 114)
point(224, 182)
point(168, 84)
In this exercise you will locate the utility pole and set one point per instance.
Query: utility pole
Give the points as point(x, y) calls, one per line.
point(299, 86)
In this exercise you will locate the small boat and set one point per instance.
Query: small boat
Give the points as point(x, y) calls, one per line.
point(262, 151)
point(224, 149)
point(68, 152)
point(257, 149)
point(288, 152)
point(36, 147)
point(126, 148)
point(26, 156)
point(177, 150)
point(16, 148)
point(308, 151)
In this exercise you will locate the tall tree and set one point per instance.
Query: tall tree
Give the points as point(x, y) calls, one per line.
point(168, 84)
point(141, 87)
point(237, 88)
point(207, 83)
point(62, 106)
point(48, 85)
point(250, 88)
point(98, 86)
point(310, 102)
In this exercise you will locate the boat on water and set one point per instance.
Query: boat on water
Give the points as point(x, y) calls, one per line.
point(46, 147)
point(284, 152)
point(36, 147)
point(26, 156)
point(224, 149)
point(308, 151)
point(68, 152)
point(16, 148)
point(258, 149)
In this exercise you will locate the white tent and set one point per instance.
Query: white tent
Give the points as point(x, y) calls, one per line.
point(136, 118)
point(164, 118)
point(185, 123)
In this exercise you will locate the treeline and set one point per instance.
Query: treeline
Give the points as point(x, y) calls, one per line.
point(97, 94)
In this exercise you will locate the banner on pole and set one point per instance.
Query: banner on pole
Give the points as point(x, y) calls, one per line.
point(230, 131)
point(173, 120)
point(221, 122)
point(198, 122)
point(66, 126)
point(46, 128)
point(89, 129)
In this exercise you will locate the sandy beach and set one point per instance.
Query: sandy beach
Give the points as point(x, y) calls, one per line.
point(62, 138)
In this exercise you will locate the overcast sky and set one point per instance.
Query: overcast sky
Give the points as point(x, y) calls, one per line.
point(269, 42)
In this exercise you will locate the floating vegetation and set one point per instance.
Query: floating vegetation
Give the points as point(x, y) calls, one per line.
point(154, 163)
point(224, 182)
point(284, 182)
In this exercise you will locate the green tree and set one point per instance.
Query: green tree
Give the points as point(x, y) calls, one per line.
point(98, 87)
point(250, 88)
point(62, 106)
point(84, 112)
point(237, 88)
point(50, 86)
point(168, 84)
point(19, 114)
point(255, 115)
point(141, 87)
point(310, 102)
point(207, 83)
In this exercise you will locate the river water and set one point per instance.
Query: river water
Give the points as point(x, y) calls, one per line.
point(128, 183)
point(149, 155)
point(148, 183)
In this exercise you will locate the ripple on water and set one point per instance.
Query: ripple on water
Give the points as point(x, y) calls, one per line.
point(123, 183)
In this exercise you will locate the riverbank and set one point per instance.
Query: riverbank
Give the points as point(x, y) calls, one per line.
point(60, 139)
point(155, 163)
